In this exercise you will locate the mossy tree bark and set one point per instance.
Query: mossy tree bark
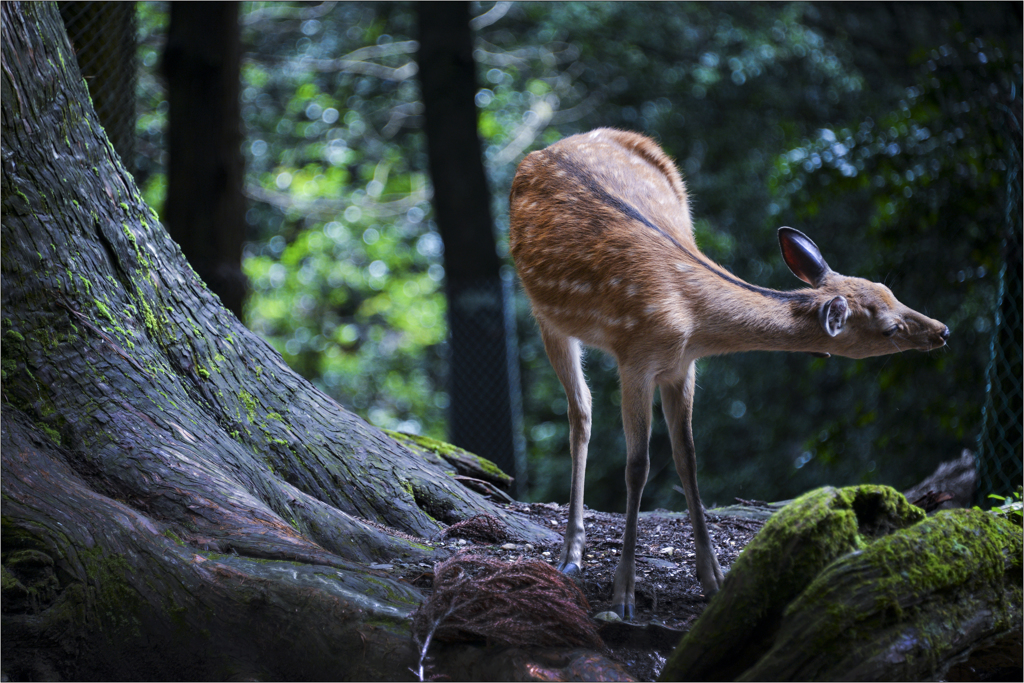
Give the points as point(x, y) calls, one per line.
point(856, 584)
point(176, 501)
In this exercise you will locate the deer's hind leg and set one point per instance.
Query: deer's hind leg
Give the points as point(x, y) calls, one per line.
point(637, 393)
point(565, 354)
point(677, 402)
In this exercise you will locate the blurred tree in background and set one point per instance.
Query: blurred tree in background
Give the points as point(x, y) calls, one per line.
point(483, 362)
point(205, 208)
point(886, 132)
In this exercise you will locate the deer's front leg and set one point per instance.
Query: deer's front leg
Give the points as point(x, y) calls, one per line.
point(637, 393)
point(677, 402)
point(565, 356)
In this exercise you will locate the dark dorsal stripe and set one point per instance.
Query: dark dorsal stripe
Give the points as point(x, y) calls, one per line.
point(570, 166)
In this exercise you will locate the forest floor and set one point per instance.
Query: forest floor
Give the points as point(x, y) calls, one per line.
point(668, 596)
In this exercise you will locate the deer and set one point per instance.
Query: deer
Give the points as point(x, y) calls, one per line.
point(602, 238)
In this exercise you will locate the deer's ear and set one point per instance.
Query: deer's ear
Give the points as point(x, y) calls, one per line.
point(802, 256)
point(833, 314)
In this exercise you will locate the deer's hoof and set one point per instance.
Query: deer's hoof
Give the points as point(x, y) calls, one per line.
point(569, 569)
point(624, 611)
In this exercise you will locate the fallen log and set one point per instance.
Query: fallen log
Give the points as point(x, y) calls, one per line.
point(856, 584)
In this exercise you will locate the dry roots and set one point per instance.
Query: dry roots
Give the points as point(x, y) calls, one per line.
point(520, 603)
point(481, 528)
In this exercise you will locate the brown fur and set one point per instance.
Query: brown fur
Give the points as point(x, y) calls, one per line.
point(603, 241)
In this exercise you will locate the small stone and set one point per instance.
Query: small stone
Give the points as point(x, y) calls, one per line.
point(509, 546)
point(668, 551)
point(609, 616)
point(462, 541)
point(546, 554)
point(529, 546)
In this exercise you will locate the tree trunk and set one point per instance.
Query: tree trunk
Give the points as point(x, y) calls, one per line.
point(177, 503)
point(485, 414)
point(205, 209)
point(854, 584)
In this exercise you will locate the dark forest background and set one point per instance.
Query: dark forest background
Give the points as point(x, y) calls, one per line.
point(888, 132)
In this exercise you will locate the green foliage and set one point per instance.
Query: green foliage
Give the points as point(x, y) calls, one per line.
point(1012, 508)
point(151, 101)
point(883, 135)
point(344, 263)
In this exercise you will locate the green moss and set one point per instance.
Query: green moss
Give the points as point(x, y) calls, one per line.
point(173, 536)
point(250, 404)
point(28, 573)
point(796, 543)
point(433, 445)
point(50, 432)
point(7, 580)
point(902, 600)
point(203, 372)
point(14, 335)
point(148, 318)
point(930, 557)
point(117, 602)
point(105, 311)
point(489, 467)
point(465, 462)
point(135, 245)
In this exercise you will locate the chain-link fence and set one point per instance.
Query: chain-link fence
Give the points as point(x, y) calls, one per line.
point(1002, 434)
point(103, 37)
point(485, 416)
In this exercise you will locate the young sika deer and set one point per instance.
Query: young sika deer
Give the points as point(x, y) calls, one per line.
point(602, 240)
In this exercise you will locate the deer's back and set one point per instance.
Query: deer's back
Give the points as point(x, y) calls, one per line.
point(598, 223)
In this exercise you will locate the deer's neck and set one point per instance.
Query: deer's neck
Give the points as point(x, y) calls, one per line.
point(734, 316)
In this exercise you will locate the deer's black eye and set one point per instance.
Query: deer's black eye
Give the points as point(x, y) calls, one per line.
point(891, 331)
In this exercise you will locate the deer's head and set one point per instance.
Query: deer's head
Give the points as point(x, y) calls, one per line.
point(860, 317)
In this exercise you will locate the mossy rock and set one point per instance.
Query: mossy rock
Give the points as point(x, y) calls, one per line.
point(857, 584)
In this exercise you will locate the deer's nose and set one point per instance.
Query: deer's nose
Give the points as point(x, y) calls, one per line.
point(944, 335)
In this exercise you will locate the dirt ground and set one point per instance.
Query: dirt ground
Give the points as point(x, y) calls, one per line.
point(668, 595)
